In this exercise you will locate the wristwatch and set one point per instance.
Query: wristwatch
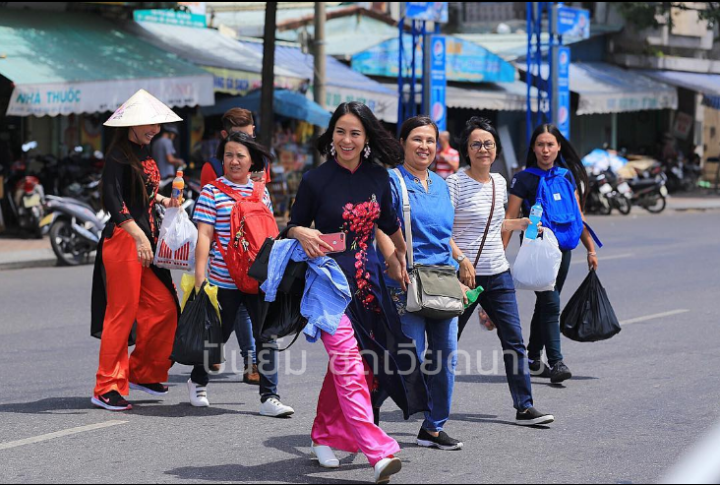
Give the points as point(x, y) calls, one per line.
point(461, 258)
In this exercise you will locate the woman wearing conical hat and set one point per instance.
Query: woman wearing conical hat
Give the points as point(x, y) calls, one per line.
point(133, 301)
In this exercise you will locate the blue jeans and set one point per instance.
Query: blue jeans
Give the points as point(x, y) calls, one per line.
point(245, 338)
point(439, 368)
point(500, 302)
point(545, 328)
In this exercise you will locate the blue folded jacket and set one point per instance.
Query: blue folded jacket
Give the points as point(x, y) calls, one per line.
point(327, 293)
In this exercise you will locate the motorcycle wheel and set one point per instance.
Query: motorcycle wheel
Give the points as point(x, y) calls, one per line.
point(605, 207)
point(659, 206)
point(623, 205)
point(64, 242)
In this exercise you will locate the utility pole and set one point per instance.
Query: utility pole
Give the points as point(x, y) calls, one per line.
point(267, 118)
point(320, 67)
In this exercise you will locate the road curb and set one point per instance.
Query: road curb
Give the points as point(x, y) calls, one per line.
point(38, 263)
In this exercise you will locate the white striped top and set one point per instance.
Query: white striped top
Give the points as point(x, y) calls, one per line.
point(215, 208)
point(472, 201)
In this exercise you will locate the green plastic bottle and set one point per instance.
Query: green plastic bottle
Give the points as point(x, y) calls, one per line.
point(473, 295)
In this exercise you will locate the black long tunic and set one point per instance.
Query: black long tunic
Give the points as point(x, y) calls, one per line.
point(123, 206)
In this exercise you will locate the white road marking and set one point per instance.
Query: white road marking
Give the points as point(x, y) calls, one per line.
point(59, 434)
point(654, 317)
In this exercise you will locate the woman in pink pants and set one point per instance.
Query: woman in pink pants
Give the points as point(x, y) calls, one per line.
point(351, 194)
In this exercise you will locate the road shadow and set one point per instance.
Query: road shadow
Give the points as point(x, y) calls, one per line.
point(300, 469)
point(485, 419)
point(181, 410)
point(478, 379)
point(53, 405)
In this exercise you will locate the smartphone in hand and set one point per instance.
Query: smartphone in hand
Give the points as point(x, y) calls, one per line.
point(338, 242)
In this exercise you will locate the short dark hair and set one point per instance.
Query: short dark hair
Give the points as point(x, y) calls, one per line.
point(384, 147)
point(258, 153)
point(417, 122)
point(477, 123)
point(237, 118)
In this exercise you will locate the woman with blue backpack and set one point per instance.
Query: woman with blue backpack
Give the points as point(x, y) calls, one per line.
point(555, 178)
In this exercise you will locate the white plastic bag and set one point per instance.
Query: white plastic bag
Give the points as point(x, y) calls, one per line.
point(178, 238)
point(538, 263)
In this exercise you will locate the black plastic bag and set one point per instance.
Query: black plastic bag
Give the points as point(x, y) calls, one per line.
point(589, 316)
point(282, 319)
point(199, 333)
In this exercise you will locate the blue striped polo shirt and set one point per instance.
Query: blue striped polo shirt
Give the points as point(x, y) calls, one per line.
point(214, 208)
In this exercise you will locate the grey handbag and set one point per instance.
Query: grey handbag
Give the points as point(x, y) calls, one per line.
point(434, 291)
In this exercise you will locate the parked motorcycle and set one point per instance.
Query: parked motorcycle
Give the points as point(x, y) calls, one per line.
point(650, 191)
point(75, 226)
point(26, 195)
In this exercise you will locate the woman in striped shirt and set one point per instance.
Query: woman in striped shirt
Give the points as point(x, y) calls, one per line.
point(474, 193)
point(241, 155)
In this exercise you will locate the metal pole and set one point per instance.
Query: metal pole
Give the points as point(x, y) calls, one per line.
point(267, 118)
point(320, 66)
point(401, 76)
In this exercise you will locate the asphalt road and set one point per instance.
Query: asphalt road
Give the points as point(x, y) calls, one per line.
point(636, 404)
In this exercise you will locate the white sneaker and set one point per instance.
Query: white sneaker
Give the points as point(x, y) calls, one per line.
point(325, 455)
point(273, 408)
point(198, 395)
point(387, 468)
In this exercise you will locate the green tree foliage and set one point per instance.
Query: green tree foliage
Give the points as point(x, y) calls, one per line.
point(645, 14)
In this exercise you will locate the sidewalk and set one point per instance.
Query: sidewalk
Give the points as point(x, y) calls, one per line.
point(18, 253)
point(693, 202)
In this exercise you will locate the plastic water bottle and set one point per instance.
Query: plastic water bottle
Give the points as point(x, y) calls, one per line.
point(178, 186)
point(473, 296)
point(536, 214)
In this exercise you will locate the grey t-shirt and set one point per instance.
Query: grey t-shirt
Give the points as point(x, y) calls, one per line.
point(160, 151)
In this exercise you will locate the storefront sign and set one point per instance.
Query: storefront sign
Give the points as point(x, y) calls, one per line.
point(465, 61)
point(194, 17)
point(571, 22)
point(99, 97)
point(438, 82)
point(427, 11)
point(240, 83)
point(561, 90)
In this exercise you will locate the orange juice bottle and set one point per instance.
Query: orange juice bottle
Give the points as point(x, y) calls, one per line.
point(178, 186)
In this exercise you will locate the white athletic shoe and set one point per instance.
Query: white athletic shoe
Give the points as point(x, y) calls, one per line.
point(198, 395)
point(273, 408)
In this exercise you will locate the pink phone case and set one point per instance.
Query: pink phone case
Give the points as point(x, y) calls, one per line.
point(337, 241)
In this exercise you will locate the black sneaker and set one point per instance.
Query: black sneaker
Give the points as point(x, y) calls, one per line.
point(156, 389)
point(442, 442)
point(112, 401)
point(533, 417)
point(538, 368)
point(560, 373)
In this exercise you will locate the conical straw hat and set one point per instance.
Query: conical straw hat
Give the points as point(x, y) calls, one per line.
point(142, 109)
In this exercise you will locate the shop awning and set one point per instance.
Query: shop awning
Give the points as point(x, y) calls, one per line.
point(706, 84)
point(605, 88)
point(286, 103)
point(65, 63)
point(481, 96)
point(237, 69)
point(494, 97)
point(343, 83)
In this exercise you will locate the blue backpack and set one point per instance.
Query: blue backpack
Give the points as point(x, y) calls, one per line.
point(561, 211)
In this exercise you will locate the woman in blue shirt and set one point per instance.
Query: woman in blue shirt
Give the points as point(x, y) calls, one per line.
point(432, 217)
point(548, 149)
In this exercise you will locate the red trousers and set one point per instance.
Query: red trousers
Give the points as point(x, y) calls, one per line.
point(134, 294)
